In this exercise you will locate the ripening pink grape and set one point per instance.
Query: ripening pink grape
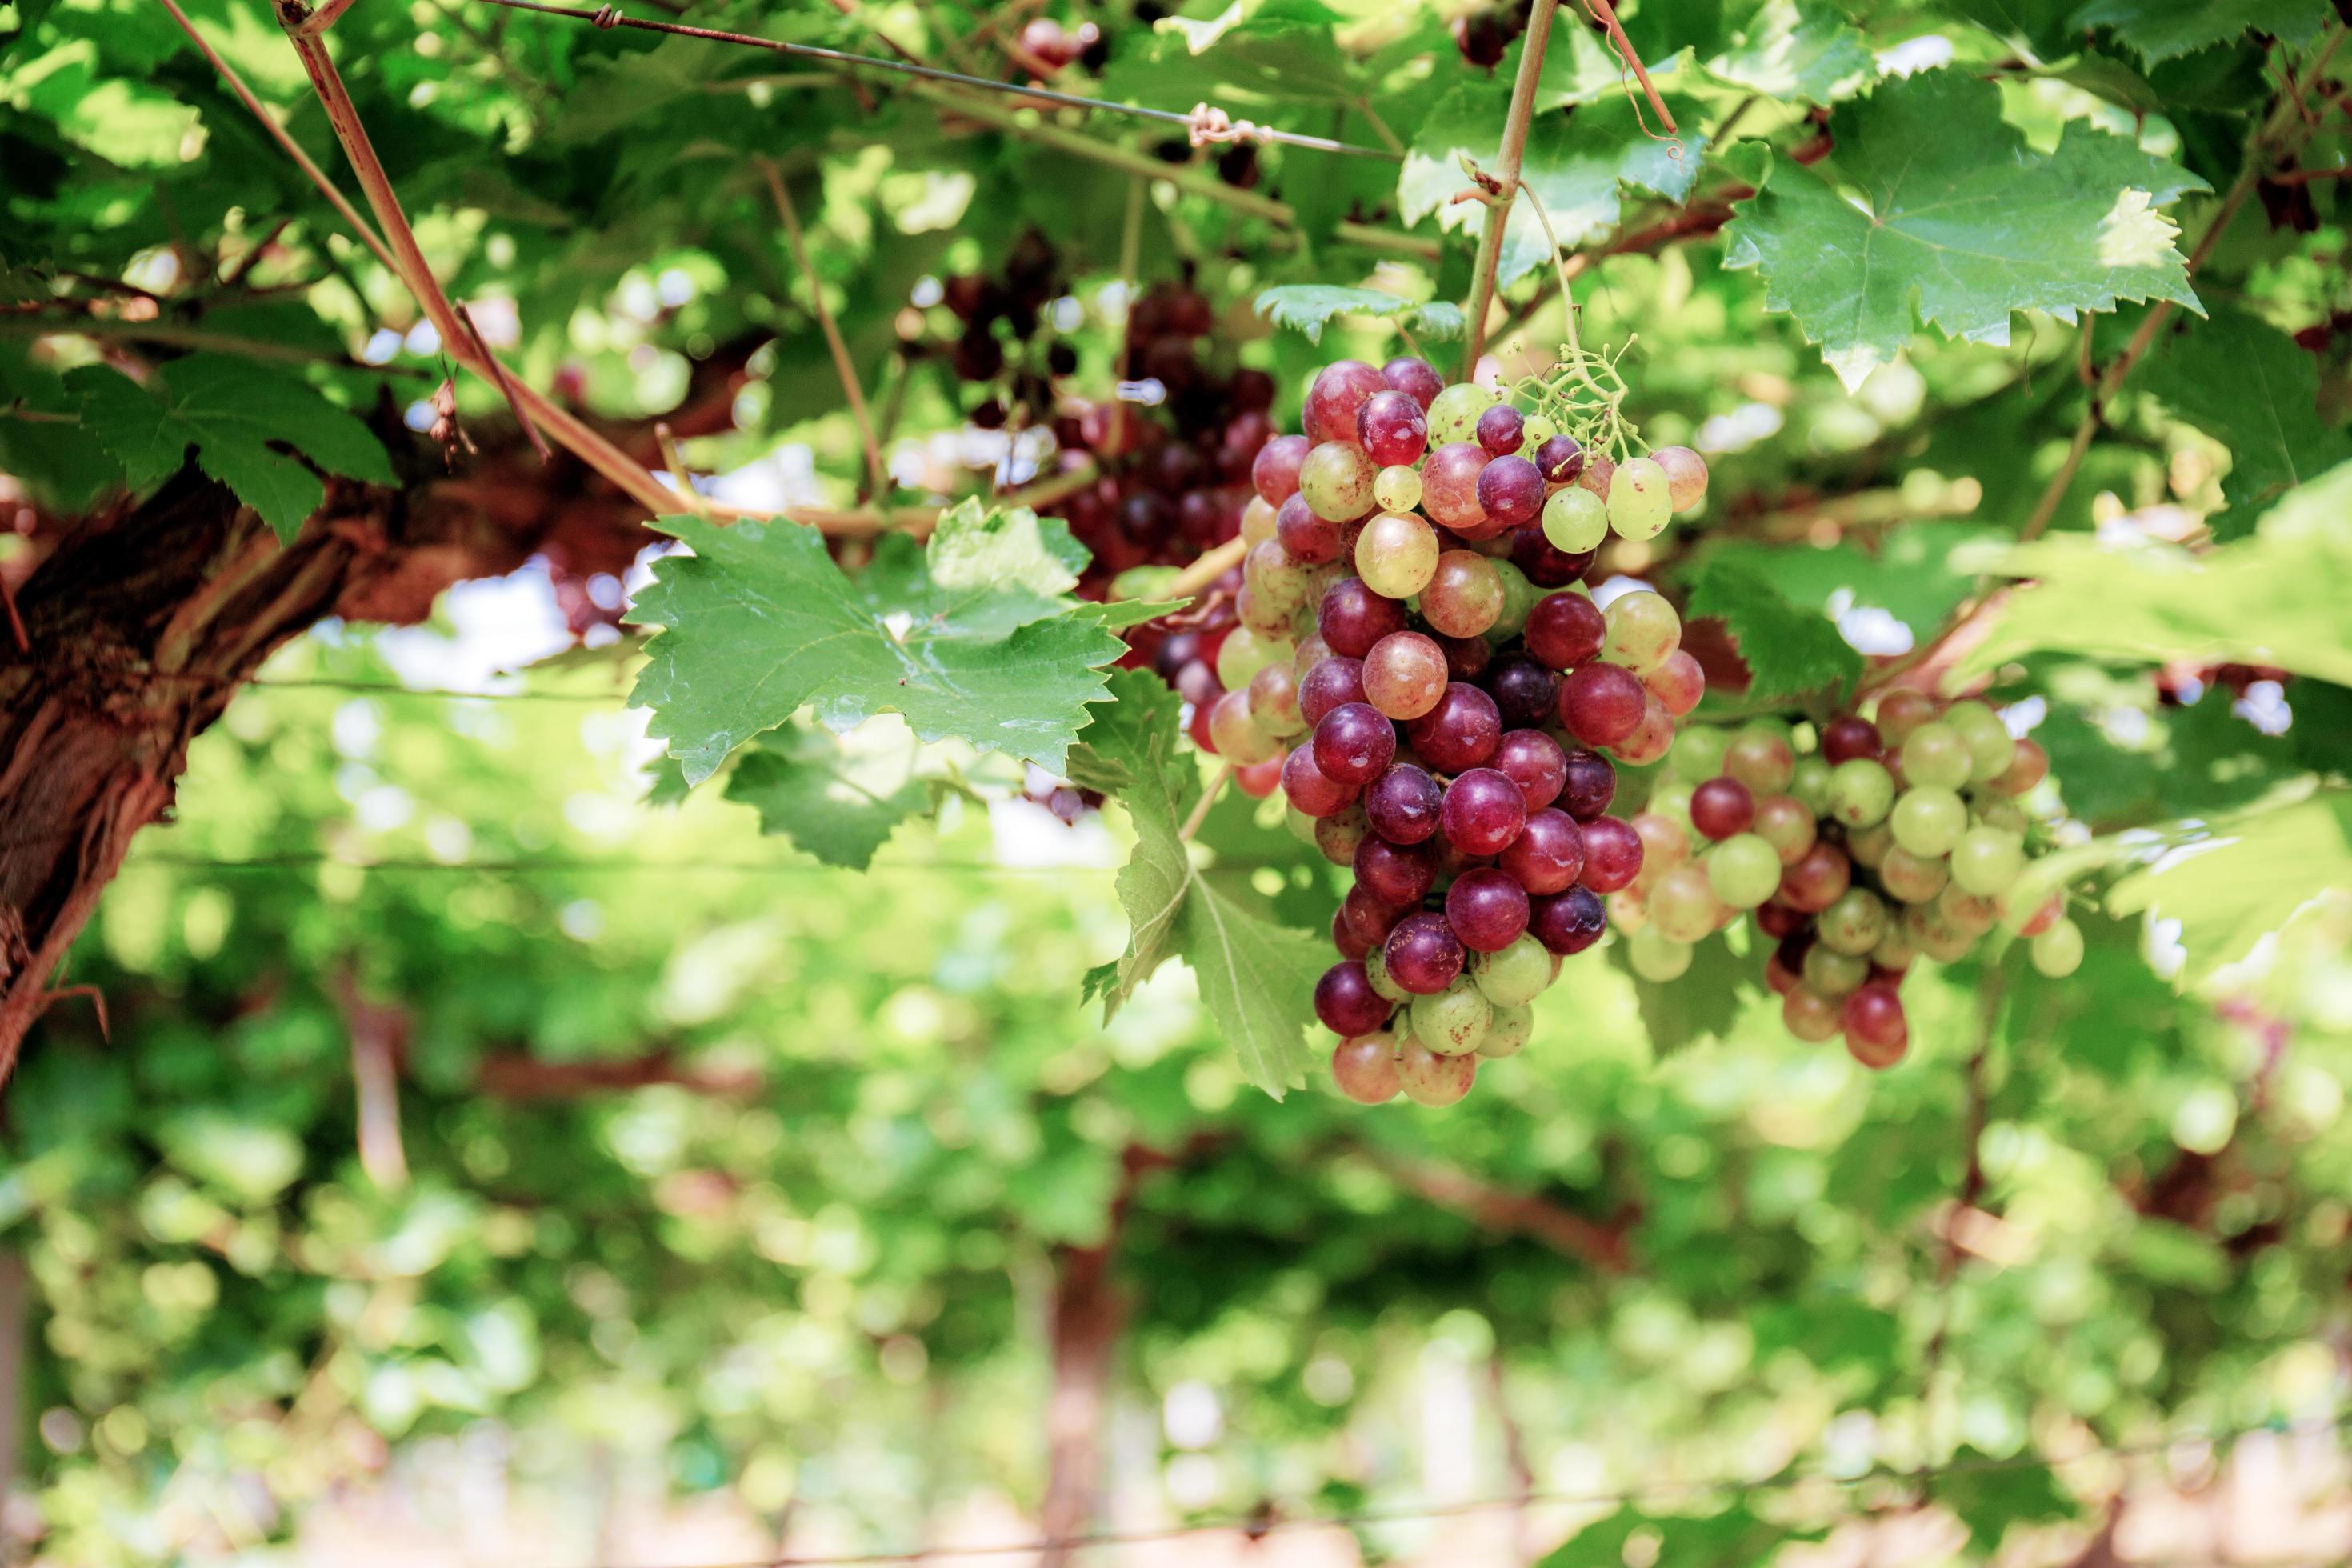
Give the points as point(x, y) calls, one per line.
point(1404, 675)
point(1336, 481)
point(1612, 855)
point(1464, 597)
point(1548, 853)
point(1565, 630)
point(1306, 537)
point(1422, 955)
point(1642, 630)
point(1399, 874)
point(1402, 804)
point(2029, 767)
point(1816, 878)
point(1510, 488)
point(1535, 762)
point(1664, 844)
point(1685, 476)
point(1346, 1002)
point(1567, 923)
point(1274, 470)
point(1501, 429)
point(1279, 583)
point(1335, 680)
point(1449, 486)
point(1259, 779)
point(1600, 468)
point(1810, 1015)
point(1274, 703)
point(1487, 909)
point(1431, 1079)
point(1484, 811)
point(1459, 732)
point(1678, 682)
point(1354, 745)
point(1876, 1030)
point(1352, 618)
point(1365, 1068)
point(1602, 704)
point(1337, 396)
point(1787, 825)
point(1237, 737)
point(1392, 428)
point(1309, 789)
point(1414, 378)
point(1652, 738)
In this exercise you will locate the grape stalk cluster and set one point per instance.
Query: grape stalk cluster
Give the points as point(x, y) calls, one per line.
point(1415, 664)
point(1872, 842)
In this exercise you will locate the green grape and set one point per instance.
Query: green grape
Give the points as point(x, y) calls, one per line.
point(1279, 583)
point(1396, 555)
point(1853, 924)
point(1516, 975)
point(2058, 951)
point(1834, 973)
point(1862, 792)
point(1697, 754)
point(1575, 519)
point(1810, 785)
point(1452, 1022)
point(1927, 821)
point(1672, 800)
point(1986, 860)
point(1336, 481)
point(1519, 597)
point(1640, 501)
point(1535, 431)
point(1257, 520)
point(1397, 488)
point(1454, 413)
point(1301, 826)
point(1913, 878)
point(1938, 938)
point(1744, 870)
point(1935, 757)
point(1895, 950)
point(1760, 757)
point(1245, 653)
point(1990, 747)
point(1811, 1017)
point(1657, 957)
point(2005, 814)
point(1642, 630)
point(1376, 970)
point(1867, 847)
point(1507, 1032)
point(1684, 906)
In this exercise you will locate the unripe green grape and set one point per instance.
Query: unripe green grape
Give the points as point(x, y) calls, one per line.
point(1934, 757)
point(1376, 970)
point(1452, 1022)
point(1657, 957)
point(1520, 597)
point(1832, 973)
point(1454, 413)
point(1913, 878)
point(1862, 792)
point(1811, 784)
point(1760, 757)
point(1698, 754)
point(1535, 431)
point(1257, 520)
point(1854, 923)
point(1640, 499)
point(1928, 820)
point(2058, 951)
point(1397, 488)
point(1273, 701)
point(1788, 825)
point(1894, 949)
point(2005, 814)
point(1986, 860)
point(1245, 652)
point(1684, 906)
point(1336, 481)
point(1672, 800)
point(1279, 583)
point(1867, 847)
point(1507, 1032)
point(1642, 630)
point(1301, 826)
point(1629, 908)
point(1396, 555)
point(1811, 1017)
point(1990, 747)
point(1340, 835)
point(1516, 975)
point(1575, 519)
point(1744, 870)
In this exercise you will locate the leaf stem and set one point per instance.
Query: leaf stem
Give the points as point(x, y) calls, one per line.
point(877, 474)
point(1498, 211)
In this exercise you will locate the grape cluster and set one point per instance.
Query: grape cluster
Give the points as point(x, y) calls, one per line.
point(1414, 663)
point(1876, 841)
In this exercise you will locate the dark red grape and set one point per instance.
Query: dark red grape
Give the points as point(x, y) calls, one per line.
point(1460, 732)
point(1484, 811)
point(1565, 630)
point(1308, 788)
point(1820, 877)
point(1591, 784)
point(1310, 539)
point(1414, 378)
point(1395, 873)
point(1346, 1002)
point(1402, 804)
point(1352, 618)
point(1487, 909)
point(1368, 917)
point(1500, 430)
point(1777, 920)
point(1274, 471)
point(1338, 395)
point(1466, 658)
point(1567, 922)
point(1393, 428)
point(1422, 955)
point(1535, 762)
point(1720, 807)
point(1612, 855)
point(1875, 1029)
point(1349, 944)
point(1548, 853)
point(1843, 740)
point(1333, 681)
point(1354, 745)
point(1524, 692)
point(1602, 704)
point(1511, 489)
point(1559, 459)
point(1199, 726)
point(1545, 563)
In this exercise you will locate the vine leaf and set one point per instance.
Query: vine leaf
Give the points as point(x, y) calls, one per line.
point(2244, 877)
point(1786, 647)
point(1309, 307)
point(230, 410)
point(1798, 49)
point(972, 640)
point(2248, 385)
point(2160, 29)
point(1935, 202)
point(1255, 975)
point(838, 803)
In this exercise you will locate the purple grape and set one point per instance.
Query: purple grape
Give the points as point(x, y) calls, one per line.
point(1460, 732)
point(1393, 428)
point(1546, 565)
point(1349, 944)
point(1414, 378)
point(1510, 489)
point(1274, 471)
point(1487, 909)
point(1332, 682)
point(1567, 922)
point(1367, 918)
point(1466, 658)
point(1403, 803)
point(1559, 459)
point(1354, 743)
point(1591, 784)
point(1524, 692)
point(1197, 683)
point(1612, 855)
point(1565, 630)
point(1548, 853)
point(1500, 430)
point(1422, 955)
point(1535, 762)
point(1484, 811)
point(1602, 704)
point(1306, 787)
point(1309, 538)
point(1396, 874)
point(1346, 1002)
point(1352, 618)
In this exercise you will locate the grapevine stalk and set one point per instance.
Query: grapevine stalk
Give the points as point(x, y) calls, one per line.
point(1498, 211)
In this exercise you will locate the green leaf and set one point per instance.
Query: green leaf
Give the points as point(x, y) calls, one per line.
point(2160, 29)
point(1702, 1003)
point(1935, 200)
point(2234, 881)
point(1258, 55)
point(1908, 573)
point(2041, 25)
point(2274, 598)
point(1988, 1500)
point(1788, 649)
point(1256, 976)
point(758, 620)
point(1309, 307)
point(1798, 50)
point(839, 803)
point(2249, 385)
point(230, 410)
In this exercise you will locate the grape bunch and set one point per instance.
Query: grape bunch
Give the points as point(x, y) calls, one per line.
point(1414, 663)
point(1874, 843)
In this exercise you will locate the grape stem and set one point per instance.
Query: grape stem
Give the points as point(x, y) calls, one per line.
point(1200, 813)
point(1608, 425)
point(1211, 565)
point(878, 473)
point(1498, 207)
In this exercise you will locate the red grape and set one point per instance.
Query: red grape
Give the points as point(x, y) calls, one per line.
point(1548, 853)
point(1777, 920)
point(1365, 1068)
point(1591, 784)
point(1720, 807)
point(1274, 471)
point(1415, 378)
point(1501, 429)
point(1460, 732)
point(1422, 955)
point(1876, 1030)
point(1346, 1002)
point(1487, 909)
point(1395, 874)
point(1367, 917)
point(1559, 459)
point(1612, 855)
point(1308, 539)
point(1352, 618)
point(1338, 395)
point(1817, 878)
point(1309, 789)
point(1393, 428)
point(1565, 630)
point(1535, 762)
point(1404, 675)
point(1344, 937)
point(1510, 488)
point(1602, 704)
point(1545, 563)
point(1466, 658)
point(1524, 692)
point(1402, 804)
point(1258, 780)
point(1329, 684)
point(1354, 745)
point(1843, 740)
point(1484, 811)
point(1567, 922)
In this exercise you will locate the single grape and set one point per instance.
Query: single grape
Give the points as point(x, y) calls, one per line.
point(1376, 970)
point(2029, 766)
point(1515, 974)
point(1460, 732)
point(1684, 904)
point(1827, 971)
point(1453, 411)
point(1365, 1067)
point(1274, 703)
point(1354, 745)
point(1744, 870)
point(2058, 951)
point(1258, 519)
point(1535, 762)
point(1402, 804)
point(1854, 923)
point(1812, 784)
point(1484, 811)
point(1510, 488)
point(1777, 920)
point(1927, 821)
point(1428, 1078)
point(1760, 757)
point(1935, 757)
point(1520, 597)
point(1862, 792)
point(1280, 584)
point(1307, 538)
point(1506, 1033)
point(1237, 737)
point(1352, 618)
point(1901, 711)
point(1395, 874)
point(1698, 754)
point(1816, 878)
point(1464, 595)
point(1602, 704)
point(1686, 473)
point(1987, 860)
point(1526, 694)
point(1913, 878)
point(1656, 956)
point(1722, 807)
point(1397, 489)
point(1396, 555)
point(1336, 481)
point(1779, 978)
point(1337, 835)
point(1370, 918)
point(1346, 1002)
point(1546, 565)
point(1274, 470)
point(1590, 785)
point(1414, 377)
point(1422, 953)
point(1559, 459)
point(1811, 1017)
point(1392, 428)
point(1338, 394)
point(1404, 675)
point(1449, 486)
point(1565, 630)
point(1501, 429)
point(1963, 910)
point(1845, 739)
point(1466, 658)
point(1612, 855)
point(1548, 853)
point(1486, 909)
point(1639, 500)
point(1452, 1022)
point(1330, 683)
point(1629, 909)
point(1567, 923)
point(1243, 653)
point(1664, 845)
point(1783, 822)
point(1651, 739)
point(1257, 781)
point(1575, 519)
point(1875, 1031)
point(1642, 629)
